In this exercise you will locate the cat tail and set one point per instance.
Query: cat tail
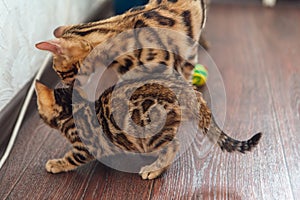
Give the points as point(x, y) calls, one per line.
point(226, 143)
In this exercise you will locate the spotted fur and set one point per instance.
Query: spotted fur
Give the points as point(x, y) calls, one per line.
point(106, 127)
point(74, 43)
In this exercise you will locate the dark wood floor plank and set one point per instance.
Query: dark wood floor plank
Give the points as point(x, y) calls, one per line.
point(283, 70)
point(118, 185)
point(27, 145)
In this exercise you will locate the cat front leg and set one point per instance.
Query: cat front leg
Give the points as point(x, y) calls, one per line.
point(165, 158)
point(76, 157)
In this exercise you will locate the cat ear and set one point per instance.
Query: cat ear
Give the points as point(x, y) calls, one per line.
point(44, 94)
point(53, 46)
point(59, 31)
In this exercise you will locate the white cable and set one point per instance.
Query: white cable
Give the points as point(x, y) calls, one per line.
point(23, 112)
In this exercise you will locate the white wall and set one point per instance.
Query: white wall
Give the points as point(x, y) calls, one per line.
point(24, 23)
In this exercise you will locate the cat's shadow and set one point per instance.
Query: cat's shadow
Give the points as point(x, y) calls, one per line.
point(127, 163)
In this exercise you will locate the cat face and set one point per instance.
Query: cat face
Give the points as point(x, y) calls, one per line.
point(68, 53)
point(53, 105)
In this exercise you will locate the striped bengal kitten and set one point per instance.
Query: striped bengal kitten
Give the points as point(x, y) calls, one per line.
point(135, 116)
point(170, 37)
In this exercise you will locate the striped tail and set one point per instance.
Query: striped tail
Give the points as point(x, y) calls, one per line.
point(226, 143)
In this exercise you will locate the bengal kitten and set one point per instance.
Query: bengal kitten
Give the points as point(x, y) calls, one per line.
point(186, 17)
point(118, 130)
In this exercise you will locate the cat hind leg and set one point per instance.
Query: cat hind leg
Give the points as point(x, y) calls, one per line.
point(162, 163)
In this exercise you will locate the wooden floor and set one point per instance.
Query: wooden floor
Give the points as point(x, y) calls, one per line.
point(257, 53)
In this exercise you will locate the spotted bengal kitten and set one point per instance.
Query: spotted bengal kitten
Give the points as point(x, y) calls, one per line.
point(136, 48)
point(118, 130)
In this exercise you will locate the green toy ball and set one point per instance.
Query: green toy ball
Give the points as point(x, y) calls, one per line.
point(200, 75)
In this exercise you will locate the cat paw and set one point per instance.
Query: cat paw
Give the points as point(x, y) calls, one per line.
point(57, 166)
point(147, 172)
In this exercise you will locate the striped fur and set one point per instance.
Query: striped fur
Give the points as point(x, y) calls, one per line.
point(74, 43)
point(118, 130)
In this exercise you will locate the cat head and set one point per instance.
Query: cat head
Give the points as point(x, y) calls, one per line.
point(69, 51)
point(53, 105)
